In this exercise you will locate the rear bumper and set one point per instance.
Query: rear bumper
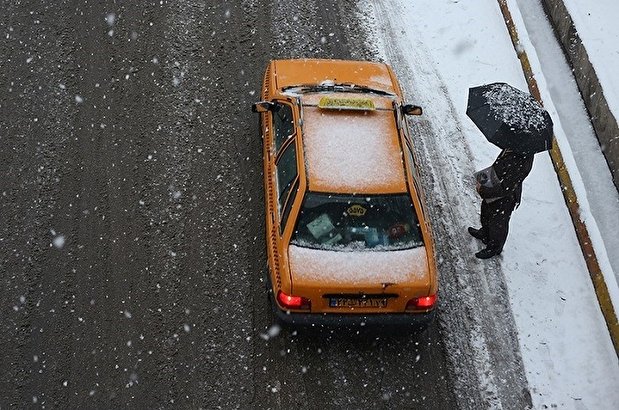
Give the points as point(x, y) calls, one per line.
point(412, 321)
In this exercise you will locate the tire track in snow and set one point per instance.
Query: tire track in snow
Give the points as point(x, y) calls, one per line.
point(208, 52)
point(70, 350)
point(475, 317)
point(317, 29)
point(36, 133)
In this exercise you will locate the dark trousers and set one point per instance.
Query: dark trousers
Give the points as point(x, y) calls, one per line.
point(495, 221)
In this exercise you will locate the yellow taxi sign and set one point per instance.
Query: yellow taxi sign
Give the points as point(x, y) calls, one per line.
point(356, 210)
point(342, 103)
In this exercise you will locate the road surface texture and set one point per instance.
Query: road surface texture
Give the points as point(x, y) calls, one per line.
point(132, 238)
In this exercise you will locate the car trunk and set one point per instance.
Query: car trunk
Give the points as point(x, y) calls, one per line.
point(372, 281)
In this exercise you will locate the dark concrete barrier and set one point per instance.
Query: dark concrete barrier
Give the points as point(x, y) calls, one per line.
point(603, 120)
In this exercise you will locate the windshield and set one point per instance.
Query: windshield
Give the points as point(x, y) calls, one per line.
point(354, 222)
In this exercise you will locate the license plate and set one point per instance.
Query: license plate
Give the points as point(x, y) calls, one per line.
point(358, 302)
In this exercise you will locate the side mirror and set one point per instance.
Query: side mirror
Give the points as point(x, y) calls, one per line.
point(410, 109)
point(264, 106)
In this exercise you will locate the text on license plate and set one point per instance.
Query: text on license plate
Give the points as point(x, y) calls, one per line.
point(358, 302)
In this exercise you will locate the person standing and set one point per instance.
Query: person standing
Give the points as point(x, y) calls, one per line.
point(500, 187)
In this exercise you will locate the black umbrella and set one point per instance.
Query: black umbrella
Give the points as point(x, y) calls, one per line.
point(510, 118)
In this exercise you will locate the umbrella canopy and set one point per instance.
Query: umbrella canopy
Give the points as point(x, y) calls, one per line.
point(510, 118)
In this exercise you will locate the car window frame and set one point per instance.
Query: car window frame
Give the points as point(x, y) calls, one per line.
point(415, 176)
point(414, 169)
point(284, 104)
point(286, 192)
point(290, 199)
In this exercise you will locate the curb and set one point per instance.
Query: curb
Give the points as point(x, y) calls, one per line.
point(603, 120)
point(597, 277)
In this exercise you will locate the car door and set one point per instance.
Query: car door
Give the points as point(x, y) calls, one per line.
point(283, 176)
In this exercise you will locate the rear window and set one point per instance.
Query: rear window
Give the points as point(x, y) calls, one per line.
point(354, 222)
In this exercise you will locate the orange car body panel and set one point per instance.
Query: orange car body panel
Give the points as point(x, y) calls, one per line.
point(288, 73)
point(289, 270)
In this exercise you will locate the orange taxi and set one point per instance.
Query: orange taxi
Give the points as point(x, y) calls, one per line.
point(348, 241)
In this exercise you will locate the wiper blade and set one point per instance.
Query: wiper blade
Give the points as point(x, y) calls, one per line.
point(347, 88)
point(372, 90)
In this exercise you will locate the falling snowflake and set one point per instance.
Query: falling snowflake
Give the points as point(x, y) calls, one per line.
point(110, 19)
point(272, 332)
point(58, 241)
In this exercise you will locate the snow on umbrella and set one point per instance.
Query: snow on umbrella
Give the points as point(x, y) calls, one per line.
point(510, 118)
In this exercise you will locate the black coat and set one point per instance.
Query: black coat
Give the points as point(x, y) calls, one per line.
point(511, 169)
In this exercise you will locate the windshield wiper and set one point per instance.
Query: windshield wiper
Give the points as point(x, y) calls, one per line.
point(345, 88)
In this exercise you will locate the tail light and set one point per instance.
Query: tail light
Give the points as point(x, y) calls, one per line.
point(422, 303)
point(293, 302)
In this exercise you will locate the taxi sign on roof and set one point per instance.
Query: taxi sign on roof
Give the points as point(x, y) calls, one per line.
point(335, 103)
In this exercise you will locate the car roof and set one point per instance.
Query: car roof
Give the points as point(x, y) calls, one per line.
point(352, 151)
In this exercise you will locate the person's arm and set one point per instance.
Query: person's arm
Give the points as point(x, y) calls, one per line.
point(515, 174)
point(495, 191)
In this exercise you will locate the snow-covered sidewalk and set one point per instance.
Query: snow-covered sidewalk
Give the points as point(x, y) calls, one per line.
point(568, 356)
point(596, 59)
point(596, 23)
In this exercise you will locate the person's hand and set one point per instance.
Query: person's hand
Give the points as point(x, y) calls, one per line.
point(477, 186)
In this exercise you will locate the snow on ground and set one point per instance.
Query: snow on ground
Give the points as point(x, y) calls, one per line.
point(598, 197)
point(568, 356)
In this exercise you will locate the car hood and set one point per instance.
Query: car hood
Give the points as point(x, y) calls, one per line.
point(358, 268)
point(314, 71)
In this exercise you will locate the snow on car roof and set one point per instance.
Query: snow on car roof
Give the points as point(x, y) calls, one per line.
point(351, 151)
point(355, 268)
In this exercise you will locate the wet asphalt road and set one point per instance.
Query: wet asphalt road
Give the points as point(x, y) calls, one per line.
point(132, 234)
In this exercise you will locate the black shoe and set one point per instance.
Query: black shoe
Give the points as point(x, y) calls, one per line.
point(487, 253)
point(478, 234)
